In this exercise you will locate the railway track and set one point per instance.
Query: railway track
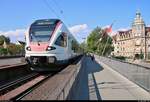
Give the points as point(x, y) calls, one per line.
point(11, 85)
point(17, 89)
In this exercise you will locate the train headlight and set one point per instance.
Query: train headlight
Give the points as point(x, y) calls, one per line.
point(28, 48)
point(51, 59)
point(49, 48)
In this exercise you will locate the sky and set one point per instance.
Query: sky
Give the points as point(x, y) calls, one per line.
point(80, 16)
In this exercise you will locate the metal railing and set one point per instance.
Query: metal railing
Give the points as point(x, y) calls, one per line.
point(136, 73)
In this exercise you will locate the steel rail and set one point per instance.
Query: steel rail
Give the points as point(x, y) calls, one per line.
point(11, 85)
point(27, 91)
point(25, 88)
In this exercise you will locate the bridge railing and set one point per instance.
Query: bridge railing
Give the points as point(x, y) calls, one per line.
point(66, 88)
point(136, 73)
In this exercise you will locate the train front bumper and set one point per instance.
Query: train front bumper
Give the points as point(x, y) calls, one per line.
point(41, 60)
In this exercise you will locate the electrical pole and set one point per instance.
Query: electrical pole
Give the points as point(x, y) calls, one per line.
point(108, 30)
point(145, 49)
point(105, 45)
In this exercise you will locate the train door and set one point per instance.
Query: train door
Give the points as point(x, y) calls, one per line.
point(69, 47)
point(61, 43)
point(65, 36)
point(72, 48)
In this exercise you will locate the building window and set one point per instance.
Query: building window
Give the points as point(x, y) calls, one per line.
point(123, 49)
point(137, 28)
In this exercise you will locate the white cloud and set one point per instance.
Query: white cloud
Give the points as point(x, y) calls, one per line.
point(123, 29)
point(16, 32)
point(78, 28)
point(148, 25)
point(14, 35)
point(80, 31)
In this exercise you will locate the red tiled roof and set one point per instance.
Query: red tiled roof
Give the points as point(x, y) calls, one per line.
point(147, 29)
point(125, 31)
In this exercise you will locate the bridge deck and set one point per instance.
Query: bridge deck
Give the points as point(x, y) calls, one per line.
point(103, 83)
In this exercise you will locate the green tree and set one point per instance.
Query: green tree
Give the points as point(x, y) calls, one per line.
point(12, 49)
point(96, 42)
point(3, 51)
point(7, 40)
point(3, 38)
point(83, 46)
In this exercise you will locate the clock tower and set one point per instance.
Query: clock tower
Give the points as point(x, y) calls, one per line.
point(138, 26)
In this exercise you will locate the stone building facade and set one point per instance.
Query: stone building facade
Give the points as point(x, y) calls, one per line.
point(133, 42)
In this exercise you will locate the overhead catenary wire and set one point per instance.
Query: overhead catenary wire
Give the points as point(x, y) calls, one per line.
point(56, 3)
point(61, 11)
point(50, 8)
point(61, 15)
point(53, 11)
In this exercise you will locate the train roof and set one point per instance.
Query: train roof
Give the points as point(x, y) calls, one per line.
point(51, 21)
point(46, 21)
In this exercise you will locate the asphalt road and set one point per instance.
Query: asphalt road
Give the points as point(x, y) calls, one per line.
point(142, 63)
point(137, 74)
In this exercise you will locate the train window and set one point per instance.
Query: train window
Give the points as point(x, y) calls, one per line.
point(41, 33)
point(62, 40)
point(74, 46)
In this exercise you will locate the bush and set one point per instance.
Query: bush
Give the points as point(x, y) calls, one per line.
point(3, 51)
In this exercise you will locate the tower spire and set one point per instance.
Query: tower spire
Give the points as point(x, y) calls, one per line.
point(138, 14)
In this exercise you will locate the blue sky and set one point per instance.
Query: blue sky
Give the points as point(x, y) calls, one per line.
point(81, 16)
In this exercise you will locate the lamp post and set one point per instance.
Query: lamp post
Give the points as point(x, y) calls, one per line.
point(145, 49)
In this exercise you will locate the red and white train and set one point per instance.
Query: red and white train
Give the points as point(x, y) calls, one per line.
point(49, 43)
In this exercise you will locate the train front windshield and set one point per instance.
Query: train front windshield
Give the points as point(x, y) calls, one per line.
point(41, 32)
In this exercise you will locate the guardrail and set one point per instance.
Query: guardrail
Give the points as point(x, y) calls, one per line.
point(127, 62)
point(69, 89)
point(136, 73)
